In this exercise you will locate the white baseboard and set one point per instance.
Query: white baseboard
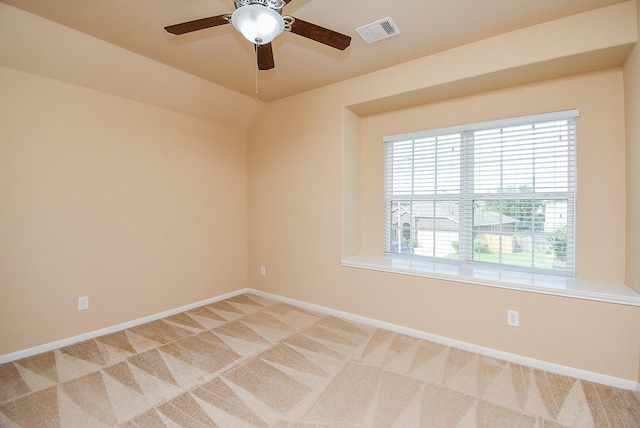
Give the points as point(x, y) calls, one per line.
point(489, 352)
point(93, 334)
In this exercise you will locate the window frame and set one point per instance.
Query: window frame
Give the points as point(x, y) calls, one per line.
point(467, 194)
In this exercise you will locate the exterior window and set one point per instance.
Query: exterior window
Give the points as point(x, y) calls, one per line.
point(498, 193)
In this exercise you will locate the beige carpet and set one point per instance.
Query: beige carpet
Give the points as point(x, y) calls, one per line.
point(253, 362)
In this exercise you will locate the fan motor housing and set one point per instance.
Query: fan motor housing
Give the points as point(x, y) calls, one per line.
point(276, 5)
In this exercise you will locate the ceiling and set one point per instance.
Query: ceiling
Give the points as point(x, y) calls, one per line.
point(222, 56)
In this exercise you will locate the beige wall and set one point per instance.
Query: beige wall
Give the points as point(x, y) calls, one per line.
point(140, 208)
point(303, 171)
point(632, 115)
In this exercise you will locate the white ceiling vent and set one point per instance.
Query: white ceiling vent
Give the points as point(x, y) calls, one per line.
point(378, 30)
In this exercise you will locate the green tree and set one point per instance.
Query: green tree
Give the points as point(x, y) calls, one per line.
point(558, 241)
point(530, 212)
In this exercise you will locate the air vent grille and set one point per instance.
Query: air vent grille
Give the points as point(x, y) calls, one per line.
point(378, 30)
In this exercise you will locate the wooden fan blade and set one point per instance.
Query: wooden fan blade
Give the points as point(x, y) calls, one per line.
point(287, 1)
point(265, 57)
point(198, 24)
point(320, 34)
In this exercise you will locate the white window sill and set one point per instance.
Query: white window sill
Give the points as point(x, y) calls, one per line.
point(535, 283)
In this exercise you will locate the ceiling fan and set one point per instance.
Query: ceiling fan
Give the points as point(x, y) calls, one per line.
point(260, 21)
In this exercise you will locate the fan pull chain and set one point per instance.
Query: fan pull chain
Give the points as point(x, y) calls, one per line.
point(257, 67)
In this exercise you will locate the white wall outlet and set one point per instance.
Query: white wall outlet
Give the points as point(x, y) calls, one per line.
point(513, 318)
point(263, 271)
point(83, 303)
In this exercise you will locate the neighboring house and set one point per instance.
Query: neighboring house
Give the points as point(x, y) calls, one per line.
point(434, 229)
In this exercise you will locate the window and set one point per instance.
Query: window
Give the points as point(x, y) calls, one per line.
point(498, 193)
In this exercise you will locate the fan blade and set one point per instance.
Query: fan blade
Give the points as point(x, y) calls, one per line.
point(265, 57)
point(287, 1)
point(320, 34)
point(198, 24)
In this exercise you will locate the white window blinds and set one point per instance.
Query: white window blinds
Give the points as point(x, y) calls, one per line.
point(500, 192)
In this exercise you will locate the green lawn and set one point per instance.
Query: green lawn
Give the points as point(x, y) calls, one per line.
point(521, 258)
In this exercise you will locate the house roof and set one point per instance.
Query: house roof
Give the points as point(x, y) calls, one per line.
point(450, 211)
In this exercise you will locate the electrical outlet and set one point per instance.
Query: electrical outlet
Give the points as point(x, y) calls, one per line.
point(513, 318)
point(263, 271)
point(83, 303)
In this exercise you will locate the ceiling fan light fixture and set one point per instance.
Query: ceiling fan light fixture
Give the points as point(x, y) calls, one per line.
point(258, 24)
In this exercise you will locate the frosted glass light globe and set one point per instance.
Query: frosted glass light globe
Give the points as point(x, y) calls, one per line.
point(258, 24)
